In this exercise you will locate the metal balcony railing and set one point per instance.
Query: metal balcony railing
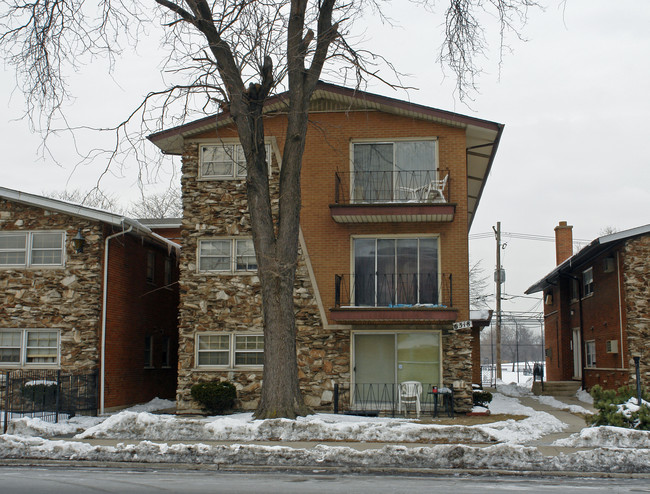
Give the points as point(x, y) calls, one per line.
point(381, 187)
point(393, 290)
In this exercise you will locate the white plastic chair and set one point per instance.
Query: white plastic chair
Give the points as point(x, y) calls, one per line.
point(409, 394)
point(436, 190)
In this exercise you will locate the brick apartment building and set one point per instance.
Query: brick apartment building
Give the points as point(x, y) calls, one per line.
point(58, 302)
point(389, 191)
point(597, 309)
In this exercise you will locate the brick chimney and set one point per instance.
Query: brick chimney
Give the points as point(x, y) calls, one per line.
point(563, 242)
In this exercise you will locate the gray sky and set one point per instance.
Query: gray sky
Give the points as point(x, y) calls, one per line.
point(573, 97)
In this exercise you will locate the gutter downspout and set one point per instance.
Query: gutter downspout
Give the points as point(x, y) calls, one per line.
point(620, 307)
point(102, 363)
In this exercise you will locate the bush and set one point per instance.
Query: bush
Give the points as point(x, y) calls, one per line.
point(619, 408)
point(215, 397)
point(41, 394)
point(482, 398)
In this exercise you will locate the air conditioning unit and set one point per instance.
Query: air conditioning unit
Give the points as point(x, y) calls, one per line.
point(612, 346)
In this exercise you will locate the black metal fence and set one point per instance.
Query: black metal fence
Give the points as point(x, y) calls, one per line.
point(383, 399)
point(46, 394)
point(394, 290)
point(403, 186)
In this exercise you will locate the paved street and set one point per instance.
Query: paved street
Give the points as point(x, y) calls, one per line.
point(35, 480)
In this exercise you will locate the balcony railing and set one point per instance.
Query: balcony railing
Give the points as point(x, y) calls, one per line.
point(398, 290)
point(402, 187)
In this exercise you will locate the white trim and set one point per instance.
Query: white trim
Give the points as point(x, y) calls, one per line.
point(230, 366)
point(233, 256)
point(22, 349)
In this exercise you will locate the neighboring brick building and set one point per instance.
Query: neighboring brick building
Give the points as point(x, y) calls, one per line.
point(597, 309)
point(389, 190)
point(52, 310)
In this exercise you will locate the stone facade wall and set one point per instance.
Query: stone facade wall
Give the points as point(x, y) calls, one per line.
point(457, 366)
point(231, 303)
point(637, 304)
point(65, 298)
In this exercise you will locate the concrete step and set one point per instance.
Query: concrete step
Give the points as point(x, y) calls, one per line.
point(556, 388)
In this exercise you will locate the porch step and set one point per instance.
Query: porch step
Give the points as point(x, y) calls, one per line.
point(556, 388)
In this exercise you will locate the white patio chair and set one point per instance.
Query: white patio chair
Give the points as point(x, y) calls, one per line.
point(409, 394)
point(436, 190)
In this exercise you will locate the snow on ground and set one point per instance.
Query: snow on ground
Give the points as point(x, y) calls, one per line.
point(584, 396)
point(555, 403)
point(518, 390)
point(617, 450)
point(607, 437)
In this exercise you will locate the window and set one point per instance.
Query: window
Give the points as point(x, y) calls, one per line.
point(575, 287)
point(587, 282)
point(22, 347)
point(148, 351)
point(395, 271)
point(217, 255)
point(386, 171)
point(168, 271)
point(249, 350)
point(223, 161)
point(229, 350)
point(165, 352)
point(27, 249)
point(151, 266)
point(590, 353)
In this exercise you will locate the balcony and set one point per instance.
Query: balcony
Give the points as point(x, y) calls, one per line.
point(393, 298)
point(392, 196)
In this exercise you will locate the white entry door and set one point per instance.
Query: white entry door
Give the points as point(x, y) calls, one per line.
point(577, 354)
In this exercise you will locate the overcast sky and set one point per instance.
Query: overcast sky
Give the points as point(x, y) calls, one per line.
point(573, 98)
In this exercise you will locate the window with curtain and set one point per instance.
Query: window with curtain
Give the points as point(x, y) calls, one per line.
point(395, 271)
point(393, 171)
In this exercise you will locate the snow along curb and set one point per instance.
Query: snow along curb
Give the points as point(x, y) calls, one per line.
point(497, 458)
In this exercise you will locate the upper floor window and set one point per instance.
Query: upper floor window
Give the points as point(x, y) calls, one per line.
point(22, 347)
point(223, 161)
point(388, 171)
point(151, 266)
point(168, 271)
point(587, 282)
point(395, 271)
point(575, 289)
point(148, 351)
point(227, 255)
point(28, 249)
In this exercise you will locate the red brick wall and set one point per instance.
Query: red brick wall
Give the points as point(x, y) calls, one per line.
point(327, 150)
point(601, 321)
point(137, 308)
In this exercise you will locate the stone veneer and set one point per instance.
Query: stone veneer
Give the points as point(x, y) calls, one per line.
point(64, 298)
point(232, 303)
point(637, 304)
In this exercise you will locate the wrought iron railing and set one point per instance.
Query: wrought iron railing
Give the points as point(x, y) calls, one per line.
point(415, 186)
point(375, 399)
point(393, 290)
point(46, 394)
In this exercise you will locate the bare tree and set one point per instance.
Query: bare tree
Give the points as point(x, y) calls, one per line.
point(167, 204)
point(478, 285)
point(234, 54)
point(94, 198)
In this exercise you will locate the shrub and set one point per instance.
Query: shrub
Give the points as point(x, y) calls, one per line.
point(215, 397)
point(482, 398)
point(619, 408)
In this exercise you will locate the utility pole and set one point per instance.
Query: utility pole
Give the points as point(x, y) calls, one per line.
point(497, 231)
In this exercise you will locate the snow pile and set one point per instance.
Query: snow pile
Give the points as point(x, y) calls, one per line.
point(584, 396)
point(537, 424)
point(631, 406)
point(28, 426)
point(607, 437)
point(498, 457)
point(242, 427)
point(552, 402)
point(513, 389)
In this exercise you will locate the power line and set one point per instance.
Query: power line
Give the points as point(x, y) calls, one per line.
point(522, 236)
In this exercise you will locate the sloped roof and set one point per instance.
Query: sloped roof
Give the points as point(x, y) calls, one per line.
point(482, 136)
point(595, 248)
point(85, 212)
